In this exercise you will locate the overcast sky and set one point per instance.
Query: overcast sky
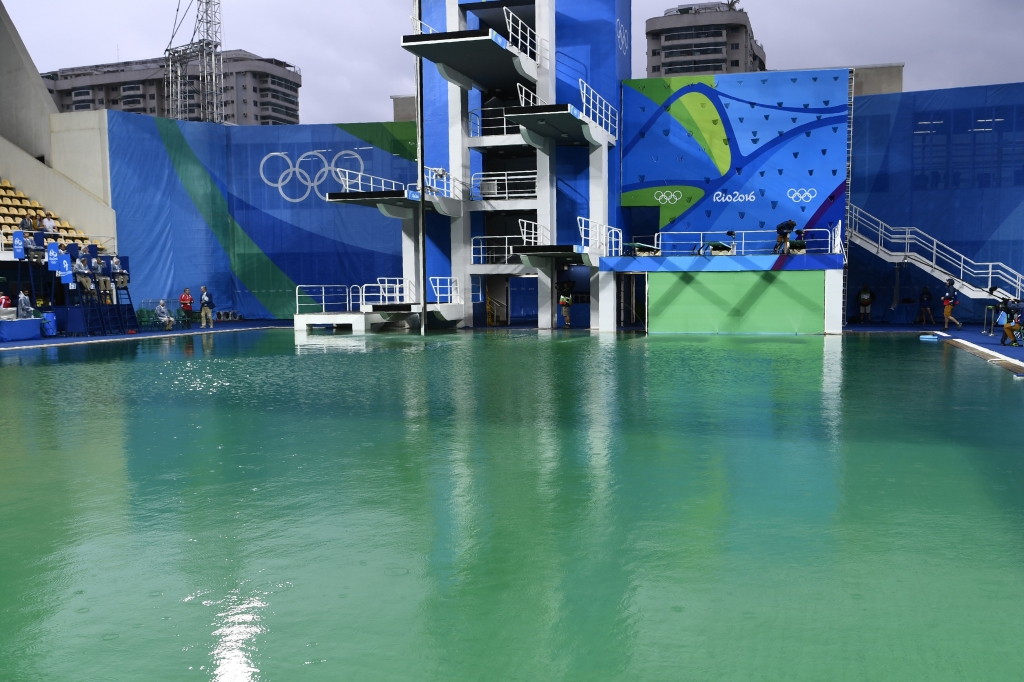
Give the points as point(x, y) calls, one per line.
point(351, 61)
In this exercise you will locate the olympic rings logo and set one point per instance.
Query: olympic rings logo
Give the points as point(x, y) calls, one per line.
point(670, 198)
point(308, 178)
point(802, 195)
point(623, 35)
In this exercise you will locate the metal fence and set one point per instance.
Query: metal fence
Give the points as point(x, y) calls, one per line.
point(512, 185)
point(599, 110)
point(521, 36)
point(494, 250)
point(748, 243)
point(602, 239)
point(446, 289)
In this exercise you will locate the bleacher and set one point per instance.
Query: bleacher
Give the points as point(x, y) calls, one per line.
point(14, 205)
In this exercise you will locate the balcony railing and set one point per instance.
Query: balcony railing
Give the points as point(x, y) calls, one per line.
point(499, 186)
point(527, 97)
point(494, 250)
point(421, 28)
point(353, 181)
point(483, 122)
point(749, 243)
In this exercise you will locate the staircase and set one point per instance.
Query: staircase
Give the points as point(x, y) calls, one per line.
point(911, 245)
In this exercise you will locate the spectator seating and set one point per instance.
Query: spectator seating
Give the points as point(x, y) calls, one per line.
point(14, 205)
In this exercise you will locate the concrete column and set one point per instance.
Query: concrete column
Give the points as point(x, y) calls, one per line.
point(410, 250)
point(458, 166)
point(599, 184)
point(546, 297)
point(545, 13)
point(602, 301)
point(834, 302)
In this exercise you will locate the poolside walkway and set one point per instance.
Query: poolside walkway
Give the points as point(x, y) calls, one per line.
point(221, 328)
point(970, 338)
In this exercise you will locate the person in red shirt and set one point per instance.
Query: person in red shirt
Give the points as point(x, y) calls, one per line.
point(5, 301)
point(186, 301)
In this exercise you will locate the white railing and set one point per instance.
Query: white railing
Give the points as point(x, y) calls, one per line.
point(749, 243)
point(352, 181)
point(484, 122)
point(420, 28)
point(440, 182)
point(521, 36)
point(494, 250)
point(601, 240)
point(533, 233)
point(599, 110)
point(513, 185)
point(476, 286)
point(916, 245)
point(528, 98)
point(446, 289)
point(324, 299)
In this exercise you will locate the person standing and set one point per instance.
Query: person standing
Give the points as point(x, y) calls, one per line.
point(24, 306)
point(924, 307)
point(565, 301)
point(949, 299)
point(864, 299)
point(1012, 323)
point(186, 301)
point(206, 307)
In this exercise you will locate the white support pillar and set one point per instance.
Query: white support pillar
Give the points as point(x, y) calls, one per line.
point(834, 302)
point(599, 184)
point(544, 11)
point(602, 301)
point(546, 297)
point(410, 250)
point(458, 166)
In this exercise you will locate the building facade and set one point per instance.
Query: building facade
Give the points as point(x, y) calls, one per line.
point(706, 38)
point(257, 90)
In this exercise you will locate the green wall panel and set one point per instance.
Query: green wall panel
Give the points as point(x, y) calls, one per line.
point(737, 302)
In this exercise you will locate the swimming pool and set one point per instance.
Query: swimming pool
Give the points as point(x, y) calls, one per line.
point(510, 506)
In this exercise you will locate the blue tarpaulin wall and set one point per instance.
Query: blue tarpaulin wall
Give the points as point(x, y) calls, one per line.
point(950, 162)
point(242, 210)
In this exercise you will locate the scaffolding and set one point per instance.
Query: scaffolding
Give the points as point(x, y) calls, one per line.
point(194, 73)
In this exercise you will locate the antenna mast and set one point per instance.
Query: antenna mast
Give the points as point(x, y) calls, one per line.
point(194, 76)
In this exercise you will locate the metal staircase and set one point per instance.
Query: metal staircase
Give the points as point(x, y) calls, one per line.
point(912, 245)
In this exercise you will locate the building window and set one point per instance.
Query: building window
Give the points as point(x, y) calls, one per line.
point(734, 62)
point(656, 69)
point(737, 29)
point(131, 88)
point(83, 105)
point(82, 93)
point(256, 116)
point(131, 101)
point(152, 96)
point(696, 33)
point(99, 101)
point(113, 101)
point(655, 53)
point(734, 46)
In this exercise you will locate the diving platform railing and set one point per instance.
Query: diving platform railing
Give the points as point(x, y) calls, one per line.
point(446, 290)
point(354, 181)
point(912, 245)
point(504, 186)
point(422, 28)
point(522, 38)
point(745, 243)
point(492, 121)
point(600, 240)
point(528, 98)
point(599, 110)
point(533, 233)
point(312, 299)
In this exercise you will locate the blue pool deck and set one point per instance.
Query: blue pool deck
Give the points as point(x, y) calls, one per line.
point(220, 328)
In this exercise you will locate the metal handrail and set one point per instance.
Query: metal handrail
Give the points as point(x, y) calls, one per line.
point(491, 121)
point(746, 243)
point(599, 110)
point(521, 36)
point(494, 250)
point(534, 234)
point(353, 181)
point(605, 240)
point(915, 244)
point(527, 97)
point(421, 28)
point(440, 182)
point(313, 298)
point(511, 185)
point(446, 289)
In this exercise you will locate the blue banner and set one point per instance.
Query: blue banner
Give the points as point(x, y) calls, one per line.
point(18, 245)
point(52, 253)
point(64, 268)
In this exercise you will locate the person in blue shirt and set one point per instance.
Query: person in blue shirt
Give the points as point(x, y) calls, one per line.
point(206, 307)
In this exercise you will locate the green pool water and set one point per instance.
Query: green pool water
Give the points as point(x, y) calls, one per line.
point(510, 506)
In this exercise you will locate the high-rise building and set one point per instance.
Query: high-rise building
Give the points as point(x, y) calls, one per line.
point(714, 37)
point(257, 90)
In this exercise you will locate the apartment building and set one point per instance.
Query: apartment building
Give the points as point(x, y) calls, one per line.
point(257, 90)
point(705, 38)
